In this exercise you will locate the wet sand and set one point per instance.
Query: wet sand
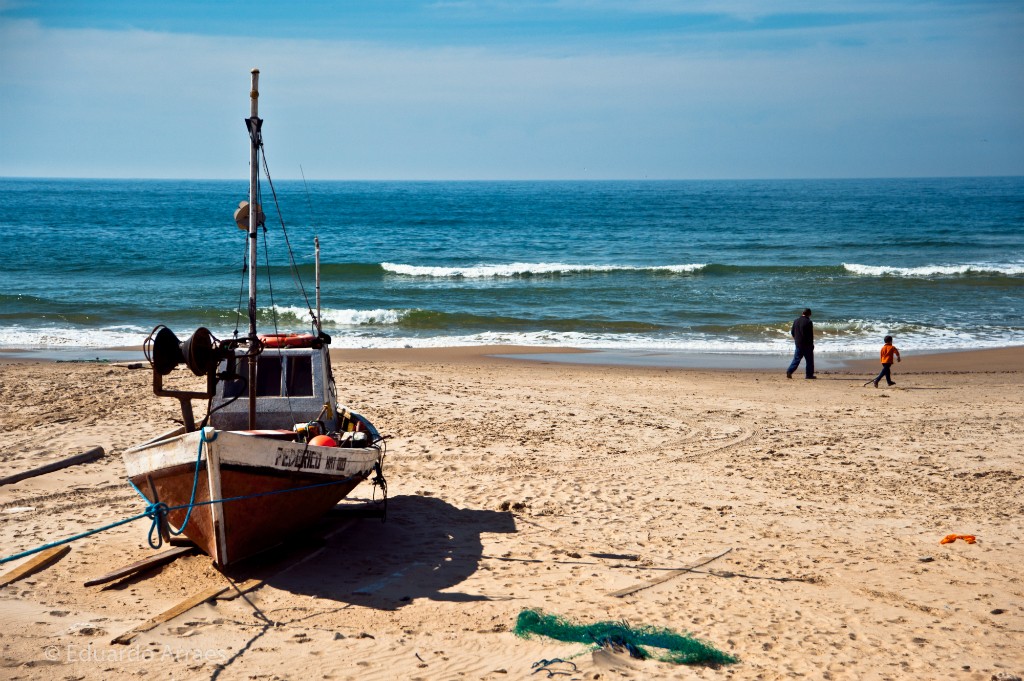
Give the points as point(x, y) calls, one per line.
point(537, 484)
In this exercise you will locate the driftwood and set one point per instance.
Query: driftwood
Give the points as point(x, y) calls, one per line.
point(223, 592)
point(41, 560)
point(670, 575)
point(186, 605)
point(192, 601)
point(230, 590)
point(240, 589)
point(144, 564)
point(84, 457)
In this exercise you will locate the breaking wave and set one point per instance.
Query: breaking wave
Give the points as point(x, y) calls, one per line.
point(343, 317)
point(526, 269)
point(1004, 269)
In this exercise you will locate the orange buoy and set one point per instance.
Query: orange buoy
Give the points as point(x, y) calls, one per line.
point(323, 441)
point(287, 340)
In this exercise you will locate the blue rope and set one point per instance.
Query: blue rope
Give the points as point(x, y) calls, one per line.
point(195, 481)
point(158, 511)
point(75, 537)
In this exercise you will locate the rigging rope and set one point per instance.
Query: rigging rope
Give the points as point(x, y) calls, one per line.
point(241, 285)
point(257, 137)
point(296, 277)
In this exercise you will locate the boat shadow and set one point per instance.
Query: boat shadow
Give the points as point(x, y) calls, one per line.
point(425, 547)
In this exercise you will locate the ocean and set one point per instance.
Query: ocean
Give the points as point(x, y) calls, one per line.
point(668, 266)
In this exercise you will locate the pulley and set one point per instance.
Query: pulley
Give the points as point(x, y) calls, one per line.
point(242, 215)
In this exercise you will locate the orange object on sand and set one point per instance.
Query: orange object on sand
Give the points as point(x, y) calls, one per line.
point(950, 538)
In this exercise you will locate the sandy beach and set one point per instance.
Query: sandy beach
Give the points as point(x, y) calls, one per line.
point(540, 485)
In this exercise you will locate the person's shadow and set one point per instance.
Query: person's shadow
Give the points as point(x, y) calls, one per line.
point(425, 547)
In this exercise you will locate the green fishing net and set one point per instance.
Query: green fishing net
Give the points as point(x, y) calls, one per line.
point(680, 649)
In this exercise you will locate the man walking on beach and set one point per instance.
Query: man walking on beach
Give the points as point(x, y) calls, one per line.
point(803, 336)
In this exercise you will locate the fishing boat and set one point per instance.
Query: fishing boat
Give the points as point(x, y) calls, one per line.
point(276, 450)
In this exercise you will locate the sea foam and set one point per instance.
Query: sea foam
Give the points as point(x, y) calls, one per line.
point(1006, 269)
point(345, 317)
point(20, 337)
point(520, 269)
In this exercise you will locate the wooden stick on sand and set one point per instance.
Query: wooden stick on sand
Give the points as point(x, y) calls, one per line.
point(217, 591)
point(41, 560)
point(84, 457)
point(671, 575)
point(186, 605)
point(146, 563)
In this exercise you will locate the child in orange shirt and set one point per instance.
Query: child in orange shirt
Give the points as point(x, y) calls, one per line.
point(887, 353)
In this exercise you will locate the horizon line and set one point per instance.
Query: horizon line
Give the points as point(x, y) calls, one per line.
point(550, 179)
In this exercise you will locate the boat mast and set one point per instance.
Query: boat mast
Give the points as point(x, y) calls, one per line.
point(253, 124)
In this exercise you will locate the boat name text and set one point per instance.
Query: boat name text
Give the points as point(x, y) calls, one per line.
point(307, 459)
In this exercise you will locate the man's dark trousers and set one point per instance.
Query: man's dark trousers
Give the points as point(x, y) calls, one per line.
point(803, 353)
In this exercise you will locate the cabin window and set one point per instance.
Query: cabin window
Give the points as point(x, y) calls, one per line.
point(268, 377)
point(300, 377)
point(236, 387)
point(271, 381)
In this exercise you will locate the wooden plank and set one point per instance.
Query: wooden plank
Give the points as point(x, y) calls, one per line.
point(140, 565)
point(239, 589)
point(184, 606)
point(84, 457)
point(670, 575)
point(40, 561)
point(217, 591)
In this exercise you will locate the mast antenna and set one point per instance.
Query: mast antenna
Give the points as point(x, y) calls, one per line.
point(316, 244)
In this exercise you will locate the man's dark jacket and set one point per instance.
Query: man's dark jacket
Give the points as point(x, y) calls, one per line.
point(803, 332)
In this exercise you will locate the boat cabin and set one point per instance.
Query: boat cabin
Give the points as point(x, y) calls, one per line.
point(292, 386)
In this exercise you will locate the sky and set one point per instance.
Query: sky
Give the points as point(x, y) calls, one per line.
point(513, 89)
